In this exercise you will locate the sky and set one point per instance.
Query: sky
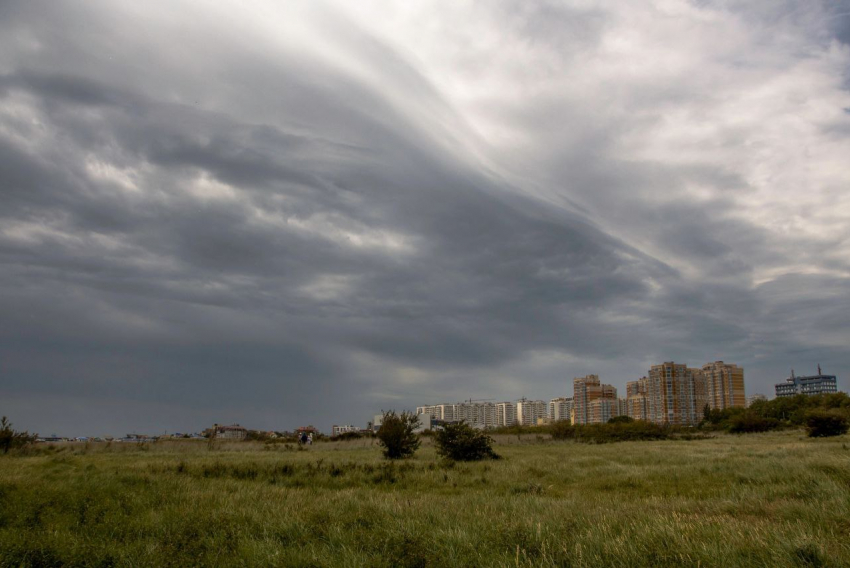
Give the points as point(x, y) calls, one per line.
point(306, 212)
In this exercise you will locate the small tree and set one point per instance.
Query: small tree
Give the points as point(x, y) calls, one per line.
point(622, 419)
point(824, 423)
point(462, 442)
point(10, 439)
point(397, 434)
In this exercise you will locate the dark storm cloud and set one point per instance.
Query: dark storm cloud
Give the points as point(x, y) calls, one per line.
point(205, 229)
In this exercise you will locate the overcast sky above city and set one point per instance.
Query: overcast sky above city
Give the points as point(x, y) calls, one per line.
point(284, 213)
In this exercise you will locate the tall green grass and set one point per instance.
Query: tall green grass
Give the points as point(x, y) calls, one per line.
point(774, 499)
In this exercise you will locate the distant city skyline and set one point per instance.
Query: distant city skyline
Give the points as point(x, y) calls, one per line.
point(292, 213)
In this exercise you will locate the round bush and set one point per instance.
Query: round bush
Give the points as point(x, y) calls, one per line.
point(462, 442)
point(825, 423)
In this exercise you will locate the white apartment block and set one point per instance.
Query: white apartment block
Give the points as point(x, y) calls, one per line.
point(476, 414)
point(561, 408)
point(445, 412)
point(528, 411)
point(505, 414)
point(337, 430)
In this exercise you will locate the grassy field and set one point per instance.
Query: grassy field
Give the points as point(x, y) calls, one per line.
point(776, 499)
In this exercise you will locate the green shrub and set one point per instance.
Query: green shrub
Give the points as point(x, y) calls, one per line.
point(747, 422)
point(620, 419)
point(462, 442)
point(397, 434)
point(824, 423)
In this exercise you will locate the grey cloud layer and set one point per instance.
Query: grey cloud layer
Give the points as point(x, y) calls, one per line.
point(214, 228)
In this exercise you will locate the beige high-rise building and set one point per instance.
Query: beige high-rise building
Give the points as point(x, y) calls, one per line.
point(587, 390)
point(724, 385)
point(602, 410)
point(670, 395)
point(636, 403)
point(700, 393)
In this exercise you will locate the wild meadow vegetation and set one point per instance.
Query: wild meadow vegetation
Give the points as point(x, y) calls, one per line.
point(777, 498)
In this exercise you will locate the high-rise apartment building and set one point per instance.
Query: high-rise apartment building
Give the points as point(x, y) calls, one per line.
point(602, 410)
point(561, 408)
point(700, 392)
point(636, 403)
point(442, 412)
point(475, 413)
point(505, 414)
point(528, 411)
point(585, 391)
point(724, 386)
point(671, 397)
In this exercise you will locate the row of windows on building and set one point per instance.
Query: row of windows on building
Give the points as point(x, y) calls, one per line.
point(482, 414)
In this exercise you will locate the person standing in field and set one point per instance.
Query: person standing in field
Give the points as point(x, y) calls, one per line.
point(310, 439)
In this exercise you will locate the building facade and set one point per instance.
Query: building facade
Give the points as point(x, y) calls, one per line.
point(442, 412)
point(670, 393)
point(561, 408)
point(602, 410)
point(528, 411)
point(636, 403)
point(724, 386)
point(505, 414)
point(477, 414)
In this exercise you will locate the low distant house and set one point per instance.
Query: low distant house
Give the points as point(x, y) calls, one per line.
point(337, 430)
point(232, 432)
point(307, 430)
